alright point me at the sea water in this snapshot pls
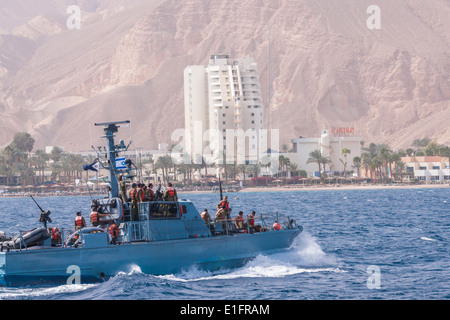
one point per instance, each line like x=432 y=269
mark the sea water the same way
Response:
x=356 y=245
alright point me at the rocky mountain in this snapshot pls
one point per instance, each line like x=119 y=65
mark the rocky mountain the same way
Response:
x=320 y=66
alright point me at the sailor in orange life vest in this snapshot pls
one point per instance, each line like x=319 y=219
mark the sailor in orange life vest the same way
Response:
x=276 y=226
x=170 y=194
x=55 y=236
x=95 y=216
x=223 y=211
x=251 y=222
x=206 y=217
x=239 y=221
x=114 y=232
x=79 y=222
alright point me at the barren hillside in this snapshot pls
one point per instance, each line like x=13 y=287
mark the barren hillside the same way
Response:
x=320 y=66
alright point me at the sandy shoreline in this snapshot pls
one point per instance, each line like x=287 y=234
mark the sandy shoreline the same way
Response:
x=265 y=189
x=344 y=187
x=331 y=188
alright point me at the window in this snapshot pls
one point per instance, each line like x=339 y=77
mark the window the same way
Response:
x=410 y=169
x=422 y=168
x=436 y=167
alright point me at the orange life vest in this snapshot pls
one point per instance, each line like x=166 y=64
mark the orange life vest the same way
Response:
x=114 y=230
x=276 y=226
x=55 y=233
x=205 y=217
x=171 y=191
x=94 y=217
x=133 y=194
x=251 y=220
x=79 y=221
x=224 y=205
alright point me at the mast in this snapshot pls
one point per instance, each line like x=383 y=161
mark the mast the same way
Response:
x=110 y=128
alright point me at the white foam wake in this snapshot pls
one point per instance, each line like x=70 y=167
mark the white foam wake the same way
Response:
x=305 y=256
x=27 y=293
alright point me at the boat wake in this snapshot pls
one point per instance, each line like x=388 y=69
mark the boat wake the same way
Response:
x=304 y=256
x=42 y=293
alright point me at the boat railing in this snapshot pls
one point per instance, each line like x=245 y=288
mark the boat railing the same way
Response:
x=227 y=225
x=22 y=242
x=162 y=211
x=136 y=231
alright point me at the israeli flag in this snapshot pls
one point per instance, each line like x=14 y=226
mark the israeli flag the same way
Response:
x=93 y=167
x=120 y=164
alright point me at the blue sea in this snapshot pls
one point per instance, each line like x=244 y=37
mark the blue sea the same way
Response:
x=356 y=245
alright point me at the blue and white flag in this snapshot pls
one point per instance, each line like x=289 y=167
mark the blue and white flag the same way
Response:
x=120 y=164
x=93 y=167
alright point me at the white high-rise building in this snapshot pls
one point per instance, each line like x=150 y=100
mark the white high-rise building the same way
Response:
x=222 y=100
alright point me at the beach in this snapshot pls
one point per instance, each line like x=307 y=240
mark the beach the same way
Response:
x=280 y=188
x=344 y=187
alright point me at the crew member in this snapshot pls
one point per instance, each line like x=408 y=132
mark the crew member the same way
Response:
x=134 y=202
x=276 y=226
x=170 y=194
x=55 y=236
x=141 y=192
x=123 y=189
x=80 y=223
x=114 y=232
x=95 y=216
x=206 y=217
x=251 y=222
x=224 y=206
x=223 y=212
x=239 y=221
x=150 y=193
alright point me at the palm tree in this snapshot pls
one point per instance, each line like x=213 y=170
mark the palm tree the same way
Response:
x=40 y=162
x=56 y=154
x=345 y=152
x=254 y=169
x=243 y=169
x=293 y=167
x=385 y=155
x=164 y=163
x=316 y=156
x=357 y=164
x=284 y=161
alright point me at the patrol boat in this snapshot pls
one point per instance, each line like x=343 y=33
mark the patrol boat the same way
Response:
x=166 y=238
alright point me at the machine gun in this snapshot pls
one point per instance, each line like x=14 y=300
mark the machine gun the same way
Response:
x=45 y=215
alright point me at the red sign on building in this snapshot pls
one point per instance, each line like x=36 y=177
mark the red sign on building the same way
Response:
x=342 y=131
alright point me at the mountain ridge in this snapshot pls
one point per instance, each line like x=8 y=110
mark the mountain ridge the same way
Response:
x=319 y=63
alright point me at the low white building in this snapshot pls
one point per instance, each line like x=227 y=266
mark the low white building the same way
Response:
x=331 y=145
x=428 y=168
